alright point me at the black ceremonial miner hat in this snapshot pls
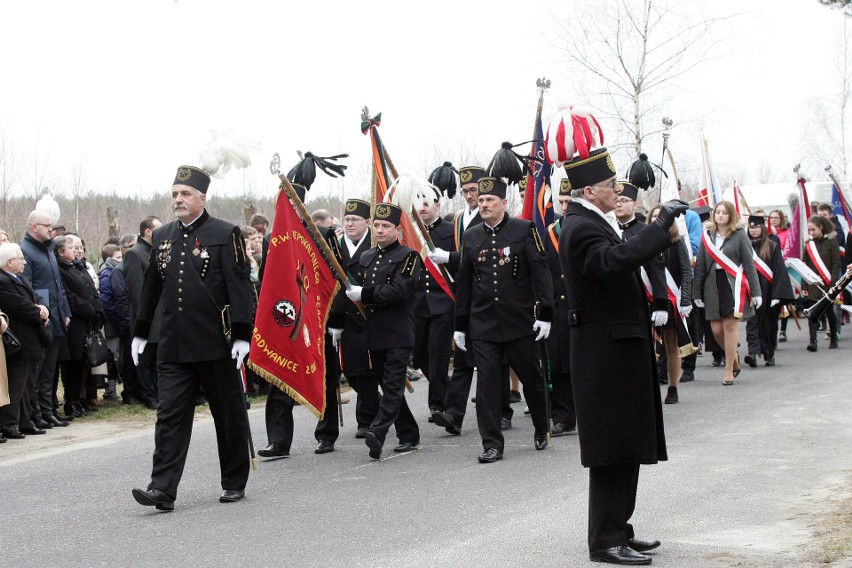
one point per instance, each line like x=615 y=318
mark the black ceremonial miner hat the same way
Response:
x=492 y=186
x=195 y=178
x=387 y=212
x=471 y=174
x=754 y=220
x=596 y=168
x=358 y=207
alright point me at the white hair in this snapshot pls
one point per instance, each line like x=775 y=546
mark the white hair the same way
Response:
x=9 y=251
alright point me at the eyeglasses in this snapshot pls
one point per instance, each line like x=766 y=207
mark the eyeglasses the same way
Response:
x=623 y=201
x=611 y=185
x=470 y=191
x=352 y=220
x=48 y=225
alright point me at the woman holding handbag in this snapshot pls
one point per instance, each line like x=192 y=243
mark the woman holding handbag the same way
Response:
x=86 y=316
x=725 y=282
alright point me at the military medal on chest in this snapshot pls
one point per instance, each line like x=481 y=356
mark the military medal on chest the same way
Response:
x=164 y=255
x=505 y=254
x=196 y=251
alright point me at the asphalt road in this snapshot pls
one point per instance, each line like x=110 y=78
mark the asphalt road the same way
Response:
x=752 y=468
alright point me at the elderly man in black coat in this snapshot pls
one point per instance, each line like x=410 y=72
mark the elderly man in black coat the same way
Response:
x=619 y=412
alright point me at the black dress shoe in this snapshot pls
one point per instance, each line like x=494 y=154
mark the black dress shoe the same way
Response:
x=642 y=545
x=432 y=413
x=514 y=397
x=619 y=555
x=361 y=432
x=448 y=422
x=54 y=421
x=751 y=360
x=770 y=362
x=562 y=429
x=58 y=416
x=231 y=495
x=152 y=405
x=490 y=455
x=33 y=431
x=687 y=376
x=406 y=447
x=671 y=396
x=505 y=424
x=324 y=447
x=2 y=439
x=43 y=424
x=154 y=498
x=540 y=441
x=374 y=444
x=14 y=434
x=274 y=450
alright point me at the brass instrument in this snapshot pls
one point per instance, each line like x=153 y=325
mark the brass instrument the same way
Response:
x=814 y=312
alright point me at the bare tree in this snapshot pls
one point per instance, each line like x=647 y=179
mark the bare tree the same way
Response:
x=77 y=186
x=633 y=53
x=8 y=171
x=845 y=5
x=38 y=173
x=826 y=136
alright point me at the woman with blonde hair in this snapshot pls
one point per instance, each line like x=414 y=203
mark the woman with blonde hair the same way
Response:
x=725 y=282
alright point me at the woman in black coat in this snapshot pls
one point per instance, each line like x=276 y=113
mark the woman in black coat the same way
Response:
x=86 y=316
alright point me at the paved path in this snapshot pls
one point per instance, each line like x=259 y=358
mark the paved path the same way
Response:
x=752 y=467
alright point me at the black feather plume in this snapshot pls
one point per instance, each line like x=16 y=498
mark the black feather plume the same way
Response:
x=444 y=178
x=508 y=164
x=305 y=172
x=641 y=173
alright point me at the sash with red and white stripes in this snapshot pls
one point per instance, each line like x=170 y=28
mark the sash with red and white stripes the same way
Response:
x=818 y=263
x=647 y=284
x=762 y=267
x=741 y=289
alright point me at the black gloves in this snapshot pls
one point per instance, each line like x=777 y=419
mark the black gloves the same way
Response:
x=668 y=211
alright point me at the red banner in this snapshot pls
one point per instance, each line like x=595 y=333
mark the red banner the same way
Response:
x=288 y=343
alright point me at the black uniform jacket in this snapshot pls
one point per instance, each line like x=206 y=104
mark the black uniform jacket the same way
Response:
x=655 y=271
x=613 y=368
x=389 y=276
x=352 y=347
x=134 y=265
x=194 y=272
x=504 y=283
x=20 y=303
x=431 y=298
x=558 y=342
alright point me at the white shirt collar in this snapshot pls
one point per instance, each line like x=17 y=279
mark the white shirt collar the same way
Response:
x=608 y=217
x=353 y=246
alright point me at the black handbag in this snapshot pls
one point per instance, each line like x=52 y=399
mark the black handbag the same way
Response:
x=11 y=344
x=97 y=352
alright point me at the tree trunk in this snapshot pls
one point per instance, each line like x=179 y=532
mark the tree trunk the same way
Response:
x=112 y=222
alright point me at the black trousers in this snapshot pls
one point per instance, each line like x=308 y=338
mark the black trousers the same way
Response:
x=179 y=383
x=458 y=389
x=389 y=366
x=129 y=371
x=432 y=351
x=146 y=375
x=22 y=376
x=279 y=417
x=493 y=360
x=562 y=400
x=761 y=331
x=367 y=401
x=44 y=395
x=328 y=428
x=612 y=499
x=73 y=375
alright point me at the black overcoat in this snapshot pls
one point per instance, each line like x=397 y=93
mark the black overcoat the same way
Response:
x=20 y=303
x=86 y=308
x=559 y=340
x=616 y=394
x=356 y=361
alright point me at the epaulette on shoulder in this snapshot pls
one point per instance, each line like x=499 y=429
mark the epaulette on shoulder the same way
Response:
x=410 y=264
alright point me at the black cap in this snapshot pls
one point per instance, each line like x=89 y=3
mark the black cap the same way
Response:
x=193 y=177
x=492 y=186
x=387 y=212
x=358 y=207
x=703 y=212
x=629 y=190
x=755 y=220
x=596 y=168
x=471 y=174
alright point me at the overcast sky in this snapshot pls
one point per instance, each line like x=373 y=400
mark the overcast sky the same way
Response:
x=130 y=89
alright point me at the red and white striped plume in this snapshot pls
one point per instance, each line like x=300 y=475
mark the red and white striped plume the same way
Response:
x=573 y=130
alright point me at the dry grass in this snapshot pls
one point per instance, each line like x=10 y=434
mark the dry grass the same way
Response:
x=834 y=531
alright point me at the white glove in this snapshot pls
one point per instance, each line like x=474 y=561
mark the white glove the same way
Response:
x=659 y=317
x=137 y=347
x=758 y=302
x=354 y=293
x=698 y=302
x=774 y=302
x=239 y=351
x=439 y=256
x=686 y=310
x=335 y=336
x=458 y=337
x=542 y=328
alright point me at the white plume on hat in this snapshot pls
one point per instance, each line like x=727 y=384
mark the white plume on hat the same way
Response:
x=49 y=205
x=572 y=130
x=407 y=190
x=223 y=151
